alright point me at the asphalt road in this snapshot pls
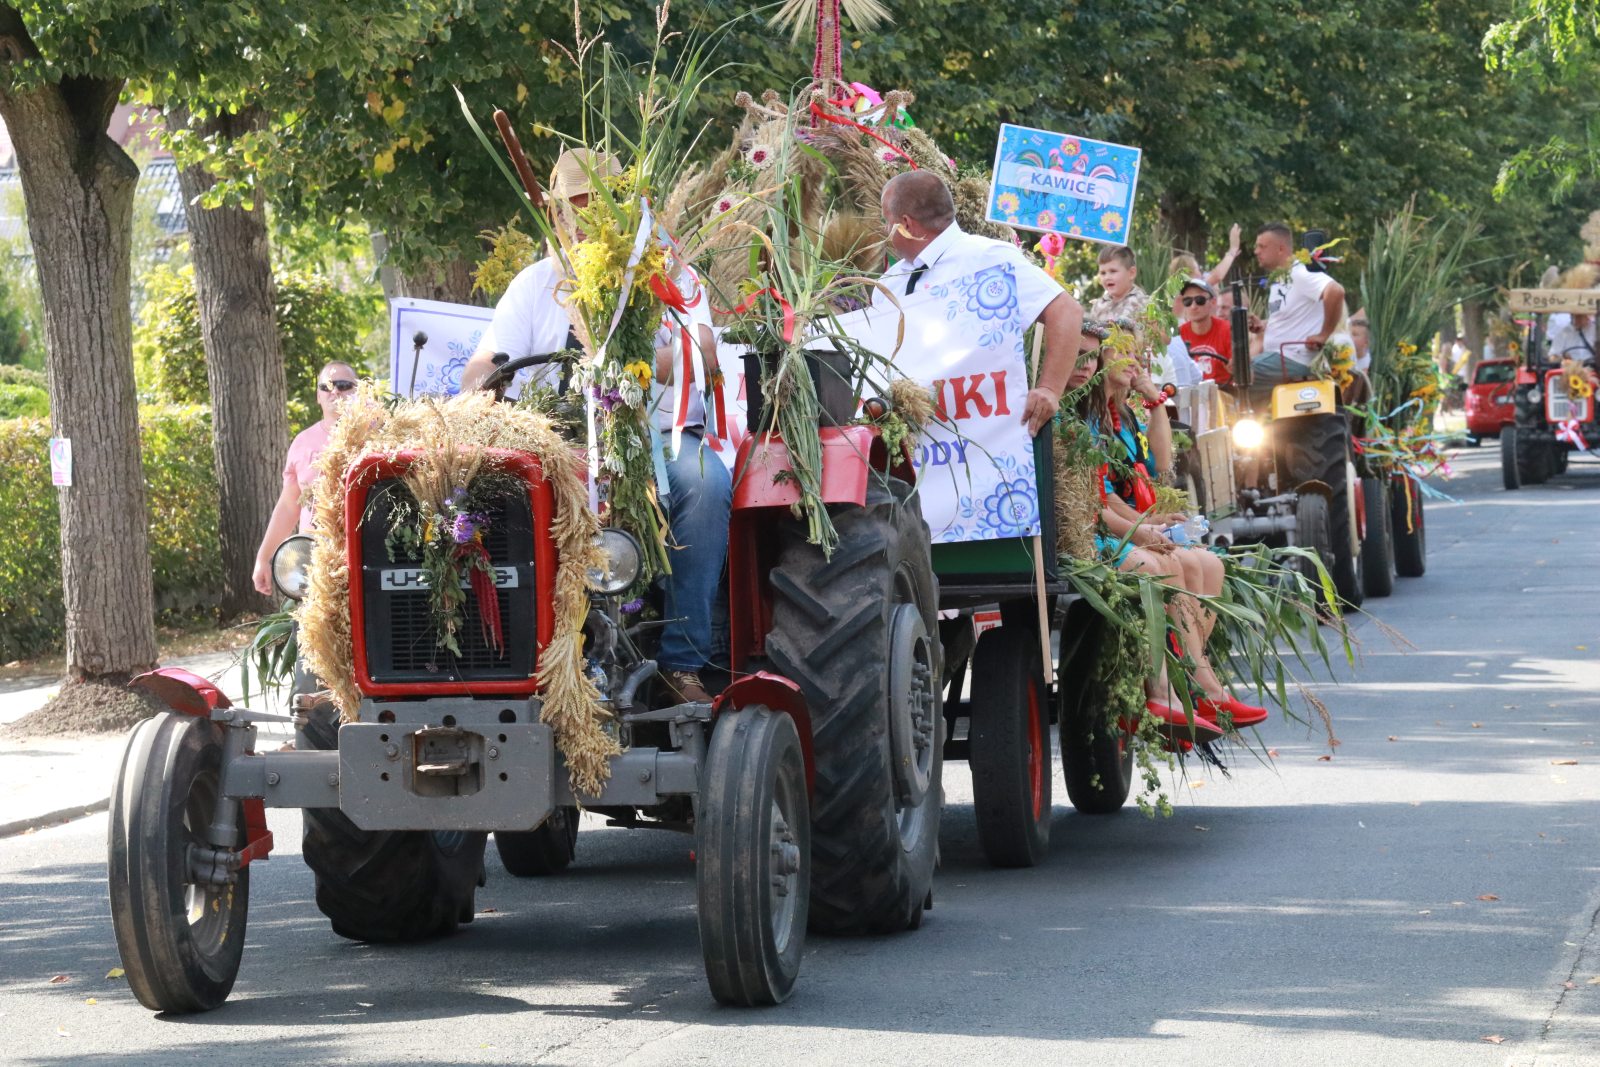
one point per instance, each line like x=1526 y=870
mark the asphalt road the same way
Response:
x=1433 y=884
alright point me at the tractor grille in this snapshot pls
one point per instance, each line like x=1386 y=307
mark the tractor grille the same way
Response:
x=401 y=642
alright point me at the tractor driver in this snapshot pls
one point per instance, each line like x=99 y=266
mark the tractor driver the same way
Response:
x=530 y=319
x=1306 y=309
x=920 y=216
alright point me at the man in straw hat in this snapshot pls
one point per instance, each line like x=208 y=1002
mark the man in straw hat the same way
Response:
x=531 y=319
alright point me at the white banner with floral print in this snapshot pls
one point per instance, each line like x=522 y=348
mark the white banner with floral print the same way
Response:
x=964 y=341
x=449 y=334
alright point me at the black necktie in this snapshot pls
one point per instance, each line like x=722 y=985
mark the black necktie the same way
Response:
x=916 y=276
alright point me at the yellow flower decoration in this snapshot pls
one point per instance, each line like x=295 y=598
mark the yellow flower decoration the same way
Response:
x=640 y=371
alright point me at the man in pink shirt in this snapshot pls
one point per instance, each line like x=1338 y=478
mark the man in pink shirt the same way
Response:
x=334 y=382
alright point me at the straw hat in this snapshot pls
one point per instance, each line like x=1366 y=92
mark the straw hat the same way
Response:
x=575 y=169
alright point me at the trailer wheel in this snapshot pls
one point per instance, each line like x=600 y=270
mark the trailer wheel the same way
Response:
x=1096 y=755
x=1377 y=547
x=753 y=857
x=1510 y=462
x=386 y=885
x=180 y=935
x=547 y=849
x=834 y=624
x=1009 y=749
x=1410 y=533
x=1560 y=457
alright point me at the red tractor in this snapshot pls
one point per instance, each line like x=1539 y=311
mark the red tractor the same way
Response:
x=811 y=784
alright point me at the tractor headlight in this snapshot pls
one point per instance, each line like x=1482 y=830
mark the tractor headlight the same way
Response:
x=291 y=566
x=1248 y=434
x=621 y=561
x=1535 y=395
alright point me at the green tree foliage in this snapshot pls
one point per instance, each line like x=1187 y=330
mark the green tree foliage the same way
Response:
x=318 y=321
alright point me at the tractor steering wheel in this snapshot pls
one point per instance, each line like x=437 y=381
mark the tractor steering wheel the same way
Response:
x=501 y=376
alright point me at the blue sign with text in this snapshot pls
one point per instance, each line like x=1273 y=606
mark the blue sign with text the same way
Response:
x=1059 y=183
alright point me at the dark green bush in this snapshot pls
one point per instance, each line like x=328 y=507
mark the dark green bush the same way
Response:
x=317 y=322
x=180 y=489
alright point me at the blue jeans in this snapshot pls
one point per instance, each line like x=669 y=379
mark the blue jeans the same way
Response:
x=698 y=507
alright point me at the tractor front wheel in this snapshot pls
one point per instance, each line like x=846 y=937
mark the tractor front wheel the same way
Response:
x=1510 y=461
x=857 y=633
x=179 y=918
x=753 y=866
x=1313 y=533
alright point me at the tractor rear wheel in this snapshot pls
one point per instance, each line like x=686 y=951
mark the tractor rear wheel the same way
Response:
x=1096 y=754
x=180 y=934
x=386 y=885
x=1377 y=547
x=547 y=849
x=1510 y=461
x=1317 y=448
x=1410 y=532
x=1009 y=746
x=753 y=871
x=856 y=633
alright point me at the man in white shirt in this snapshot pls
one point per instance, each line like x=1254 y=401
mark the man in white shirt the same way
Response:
x=1306 y=309
x=531 y=319
x=921 y=218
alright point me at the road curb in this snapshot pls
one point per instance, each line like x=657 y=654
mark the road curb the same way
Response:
x=35 y=822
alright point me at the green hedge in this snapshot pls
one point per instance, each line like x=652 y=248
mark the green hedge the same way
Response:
x=23 y=402
x=180 y=489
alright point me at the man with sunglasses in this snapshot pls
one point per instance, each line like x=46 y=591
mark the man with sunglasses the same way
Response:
x=335 y=382
x=1207 y=334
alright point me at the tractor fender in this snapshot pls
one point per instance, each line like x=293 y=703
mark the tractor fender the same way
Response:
x=778 y=694
x=183 y=691
x=763 y=478
x=1317 y=486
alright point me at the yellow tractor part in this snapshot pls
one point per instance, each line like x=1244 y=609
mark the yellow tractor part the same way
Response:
x=1292 y=399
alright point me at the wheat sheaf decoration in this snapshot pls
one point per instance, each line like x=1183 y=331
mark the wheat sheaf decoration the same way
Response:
x=453 y=436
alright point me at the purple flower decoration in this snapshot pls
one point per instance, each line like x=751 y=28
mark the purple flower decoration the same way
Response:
x=610 y=400
x=466 y=525
x=633 y=607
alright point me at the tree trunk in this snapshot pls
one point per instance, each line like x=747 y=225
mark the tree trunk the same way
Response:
x=1184 y=218
x=1472 y=334
x=244 y=363
x=78 y=186
x=450 y=281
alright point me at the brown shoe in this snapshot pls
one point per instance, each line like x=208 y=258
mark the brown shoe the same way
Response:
x=686 y=688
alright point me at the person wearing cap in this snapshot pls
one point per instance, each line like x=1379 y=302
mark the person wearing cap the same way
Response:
x=920 y=216
x=531 y=319
x=1207 y=335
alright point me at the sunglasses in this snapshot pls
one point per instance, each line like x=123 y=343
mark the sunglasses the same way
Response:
x=1195 y=301
x=342 y=385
